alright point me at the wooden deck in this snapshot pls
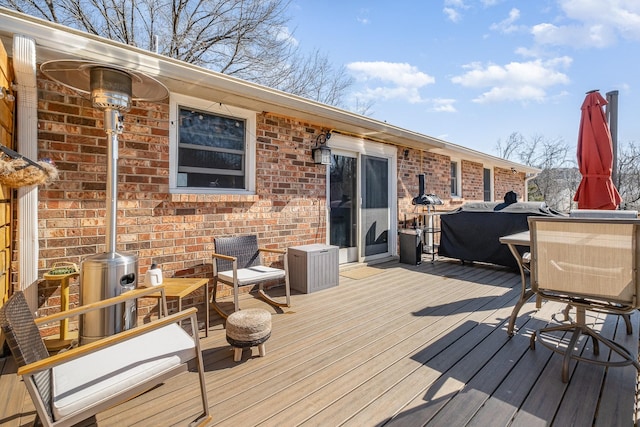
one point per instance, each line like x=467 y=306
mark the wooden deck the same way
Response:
x=409 y=346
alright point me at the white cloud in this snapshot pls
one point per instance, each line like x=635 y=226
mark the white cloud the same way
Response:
x=507 y=25
x=516 y=81
x=411 y=95
x=572 y=35
x=388 y=80
x=452 y=14
x=443 y=105
x=283 y=33
x=592 y=23
x=528 y=52
x=452 y=9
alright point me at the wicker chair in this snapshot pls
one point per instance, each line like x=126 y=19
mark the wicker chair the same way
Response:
x=237 y=261
x=590 y=264
x=74 y=385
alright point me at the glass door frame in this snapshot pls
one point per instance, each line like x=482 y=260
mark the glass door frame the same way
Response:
x=356 y=147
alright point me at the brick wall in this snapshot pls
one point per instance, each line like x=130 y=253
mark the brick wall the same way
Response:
x=505 y=180
x=436 y=170
x=175 y=231
x=472 y=181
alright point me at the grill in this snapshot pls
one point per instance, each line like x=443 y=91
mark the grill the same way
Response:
x=106 y=275
x=425 y=199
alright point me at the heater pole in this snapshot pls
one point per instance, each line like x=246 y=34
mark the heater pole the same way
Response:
x=113 y=127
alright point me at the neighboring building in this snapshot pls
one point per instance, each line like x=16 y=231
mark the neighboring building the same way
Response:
x=266 y=182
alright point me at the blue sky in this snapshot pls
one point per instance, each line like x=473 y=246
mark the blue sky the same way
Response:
x=471 y=72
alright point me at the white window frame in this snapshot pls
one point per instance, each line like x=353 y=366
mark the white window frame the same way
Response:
x=249 y=117
x=458 y=193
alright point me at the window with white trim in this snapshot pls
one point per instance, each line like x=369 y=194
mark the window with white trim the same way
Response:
x=212 y=147
x=455 y=178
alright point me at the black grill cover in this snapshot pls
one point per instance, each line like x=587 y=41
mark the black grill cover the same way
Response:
x=472 y=232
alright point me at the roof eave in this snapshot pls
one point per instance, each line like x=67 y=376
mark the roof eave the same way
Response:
x=55 y=41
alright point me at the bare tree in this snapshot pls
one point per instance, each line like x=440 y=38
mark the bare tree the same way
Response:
x=559 y=178
x=629 y=175
x=248 y=39
x=313 y=77
x=364 y=107
x=509 y=148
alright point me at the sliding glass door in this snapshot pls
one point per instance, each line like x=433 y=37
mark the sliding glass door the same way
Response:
x=343 y=206
x=362 y=199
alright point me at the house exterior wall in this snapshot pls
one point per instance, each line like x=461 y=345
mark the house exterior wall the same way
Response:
x=177 y=231
x=506 y=180
x=472 y=181
x=437 y=181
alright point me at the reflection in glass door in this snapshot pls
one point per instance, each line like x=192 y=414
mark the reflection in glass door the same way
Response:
x=343 y=207
x=375 y=205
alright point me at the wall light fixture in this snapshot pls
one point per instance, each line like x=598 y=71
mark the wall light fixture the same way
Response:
x=321 y=153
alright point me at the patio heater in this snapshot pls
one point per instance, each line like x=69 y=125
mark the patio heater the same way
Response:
x=107 y=274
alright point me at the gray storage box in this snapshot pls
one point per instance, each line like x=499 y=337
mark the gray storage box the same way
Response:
x=313 y=267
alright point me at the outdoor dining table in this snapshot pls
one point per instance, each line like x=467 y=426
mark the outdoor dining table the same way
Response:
x=513 y=241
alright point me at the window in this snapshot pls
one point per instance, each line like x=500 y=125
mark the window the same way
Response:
x=455 y=184
x=212 y=147
x=486 y=184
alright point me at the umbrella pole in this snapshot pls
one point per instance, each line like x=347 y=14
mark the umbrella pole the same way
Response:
x=612 y=118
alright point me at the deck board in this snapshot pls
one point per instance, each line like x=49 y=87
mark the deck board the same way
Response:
x=412 y=345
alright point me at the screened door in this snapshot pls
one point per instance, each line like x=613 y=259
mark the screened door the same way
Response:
x=375 y=205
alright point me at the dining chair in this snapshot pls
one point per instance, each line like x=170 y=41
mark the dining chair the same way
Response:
x=590 y=264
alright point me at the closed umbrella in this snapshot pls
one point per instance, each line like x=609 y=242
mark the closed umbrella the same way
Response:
x=595 y=157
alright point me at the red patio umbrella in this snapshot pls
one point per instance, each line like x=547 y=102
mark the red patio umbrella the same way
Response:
x=595 y=157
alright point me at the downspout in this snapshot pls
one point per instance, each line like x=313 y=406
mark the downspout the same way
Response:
x=24 y=67
x=528 y=177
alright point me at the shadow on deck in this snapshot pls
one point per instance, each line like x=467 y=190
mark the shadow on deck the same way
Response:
x=410 y=345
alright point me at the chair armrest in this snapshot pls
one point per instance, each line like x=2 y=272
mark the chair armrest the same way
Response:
x=133 y=294
x=275 y=251
x=77 y=352
x=224 y=257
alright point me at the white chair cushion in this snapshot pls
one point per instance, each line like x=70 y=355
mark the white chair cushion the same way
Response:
x=96 y=377
x=250 y=275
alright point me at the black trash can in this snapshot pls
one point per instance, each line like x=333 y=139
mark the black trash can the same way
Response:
x=411 y=246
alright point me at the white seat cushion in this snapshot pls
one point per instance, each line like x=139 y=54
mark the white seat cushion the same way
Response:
x=250 y=275
x=96 y=377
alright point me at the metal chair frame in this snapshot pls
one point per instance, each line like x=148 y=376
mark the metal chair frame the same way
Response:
x=590 y=264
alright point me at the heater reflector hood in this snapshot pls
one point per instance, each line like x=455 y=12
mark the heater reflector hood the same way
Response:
x=76 y=74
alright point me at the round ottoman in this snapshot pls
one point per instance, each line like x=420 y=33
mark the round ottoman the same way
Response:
x=248 y=328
